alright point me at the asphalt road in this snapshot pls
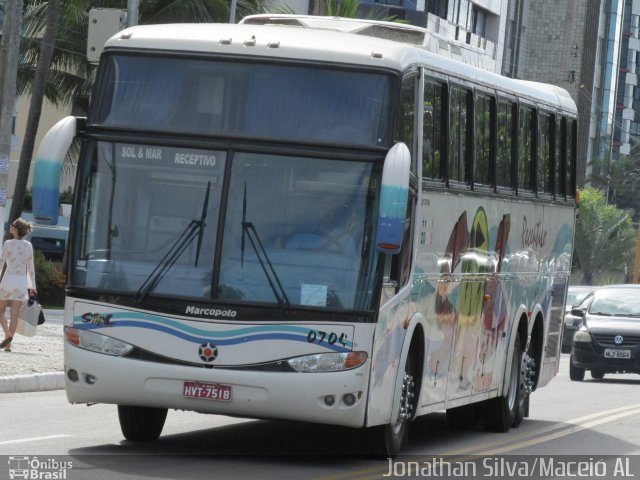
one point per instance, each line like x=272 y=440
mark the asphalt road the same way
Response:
x=596 y=420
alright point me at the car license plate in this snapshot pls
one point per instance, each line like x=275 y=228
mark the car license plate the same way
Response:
x=613 y=353
x=210 y=391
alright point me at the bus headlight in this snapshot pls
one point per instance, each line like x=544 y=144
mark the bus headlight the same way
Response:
x=582 y=336
x=96 y=342
x=328 y=362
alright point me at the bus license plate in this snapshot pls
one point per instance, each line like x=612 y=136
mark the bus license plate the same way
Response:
x=210 y=391
x=612 y=353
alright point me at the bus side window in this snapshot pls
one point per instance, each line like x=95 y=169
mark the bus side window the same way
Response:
x=570 y=176
x=525 y=149
x=459 y=123
x=544 y=169
x=484 y=115
x=506 y=136
x=432 y=122
x=559 y=164
x=407 y=120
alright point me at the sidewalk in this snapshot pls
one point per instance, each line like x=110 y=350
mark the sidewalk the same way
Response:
x=35 y=363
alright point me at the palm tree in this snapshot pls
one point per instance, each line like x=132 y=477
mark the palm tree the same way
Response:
x=35 y=107
x=604 y=237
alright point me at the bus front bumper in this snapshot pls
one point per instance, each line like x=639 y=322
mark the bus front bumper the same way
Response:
x=335 y=398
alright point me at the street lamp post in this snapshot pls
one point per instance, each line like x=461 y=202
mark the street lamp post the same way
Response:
x=132 y=13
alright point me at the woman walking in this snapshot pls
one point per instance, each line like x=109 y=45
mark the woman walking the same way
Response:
x=19 y=280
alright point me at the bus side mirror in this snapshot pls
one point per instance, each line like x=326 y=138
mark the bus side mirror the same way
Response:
x=394 y=197
x=46 y=175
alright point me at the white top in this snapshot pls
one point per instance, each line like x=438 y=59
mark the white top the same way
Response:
x=20 y=275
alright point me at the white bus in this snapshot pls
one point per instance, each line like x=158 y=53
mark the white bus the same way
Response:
x=292 y=218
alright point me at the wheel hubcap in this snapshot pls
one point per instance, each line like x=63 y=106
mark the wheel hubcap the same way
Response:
x=527 y=373
x=406 y=401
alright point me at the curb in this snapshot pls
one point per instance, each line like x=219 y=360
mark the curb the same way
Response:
x=32 y=383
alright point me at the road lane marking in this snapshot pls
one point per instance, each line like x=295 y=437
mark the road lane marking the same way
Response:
x=515 y=437
x=576 y=428
x=524 y=439
x=32 y=439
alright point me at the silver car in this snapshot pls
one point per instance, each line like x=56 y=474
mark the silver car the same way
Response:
x=575 y=296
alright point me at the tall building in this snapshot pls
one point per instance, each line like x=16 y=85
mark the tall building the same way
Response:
x=605 y=109
x=626 y=135
x=557 y=42
x=589 y=47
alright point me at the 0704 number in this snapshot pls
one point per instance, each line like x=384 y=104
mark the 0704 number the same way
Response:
x=331 y=338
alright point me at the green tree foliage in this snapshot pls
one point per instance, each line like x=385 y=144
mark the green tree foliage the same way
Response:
x=605 y=238
x=50 y=280
x=625 y=183
x=343 y=8
x=66 y=196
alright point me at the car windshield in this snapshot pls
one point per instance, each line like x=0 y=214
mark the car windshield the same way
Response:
x=618 y=303
x=575 y=297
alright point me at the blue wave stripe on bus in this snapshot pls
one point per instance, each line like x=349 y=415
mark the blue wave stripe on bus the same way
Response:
x=132 y=318
x=218 y=342
x=393 y=201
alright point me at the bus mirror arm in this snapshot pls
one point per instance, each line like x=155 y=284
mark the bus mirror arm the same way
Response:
x=394 y=198
x=48 y=166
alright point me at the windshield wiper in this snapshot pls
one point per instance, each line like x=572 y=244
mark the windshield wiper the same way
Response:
x=249 y=230
x=195 y=229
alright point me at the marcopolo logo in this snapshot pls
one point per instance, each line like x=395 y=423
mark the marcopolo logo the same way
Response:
x=213 y=312
x=35 y=468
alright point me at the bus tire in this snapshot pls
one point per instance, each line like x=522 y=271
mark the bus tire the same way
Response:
x=387 y=440
x=141 y=424
x=501 y=413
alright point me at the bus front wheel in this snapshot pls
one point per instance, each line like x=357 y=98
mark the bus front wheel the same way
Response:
x=387 y=440
x=141 y=424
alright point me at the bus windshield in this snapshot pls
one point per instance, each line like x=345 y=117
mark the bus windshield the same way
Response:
x=249 y=100
x=151 y=217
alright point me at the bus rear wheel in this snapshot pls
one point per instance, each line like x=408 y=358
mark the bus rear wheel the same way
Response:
x=502 y=413
x=141 y=424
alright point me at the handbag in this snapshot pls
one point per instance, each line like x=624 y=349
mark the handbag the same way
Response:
x=30 y=312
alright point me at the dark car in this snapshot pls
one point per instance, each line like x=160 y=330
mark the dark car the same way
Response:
x=609 y=339
x=575 y=296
